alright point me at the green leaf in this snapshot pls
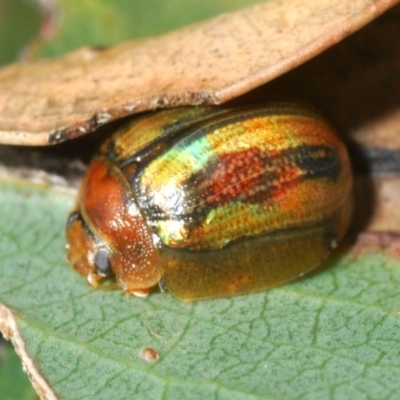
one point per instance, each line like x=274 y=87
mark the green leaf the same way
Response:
x=334 y=335
x=106 y=22
x=19 y=23
x=76 y=23
x=14 y=383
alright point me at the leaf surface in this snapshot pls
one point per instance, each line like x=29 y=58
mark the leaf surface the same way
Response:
x=328 y=336
x=19 y=23
x=14 y=383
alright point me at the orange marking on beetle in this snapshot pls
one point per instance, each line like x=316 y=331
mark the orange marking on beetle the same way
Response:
x=236 y=174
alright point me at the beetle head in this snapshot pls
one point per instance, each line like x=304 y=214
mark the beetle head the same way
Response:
x=107 y=234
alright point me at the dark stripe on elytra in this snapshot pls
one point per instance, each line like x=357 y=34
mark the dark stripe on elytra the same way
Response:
x=304 y=162
x=169 y=135
x=312 y=162
x=191 y=128
x=317 y=162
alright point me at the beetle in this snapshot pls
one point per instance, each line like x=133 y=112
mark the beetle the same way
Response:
x=212 y=201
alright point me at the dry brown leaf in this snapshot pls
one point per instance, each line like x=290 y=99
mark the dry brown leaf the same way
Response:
x=356 y=84
x=207 y=63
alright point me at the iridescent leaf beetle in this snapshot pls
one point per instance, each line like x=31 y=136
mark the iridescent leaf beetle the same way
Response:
x=212 y=201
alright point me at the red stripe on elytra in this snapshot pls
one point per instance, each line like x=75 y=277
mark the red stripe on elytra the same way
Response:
x=249 y=176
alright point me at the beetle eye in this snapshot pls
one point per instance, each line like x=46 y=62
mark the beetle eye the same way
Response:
x=102 y=263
